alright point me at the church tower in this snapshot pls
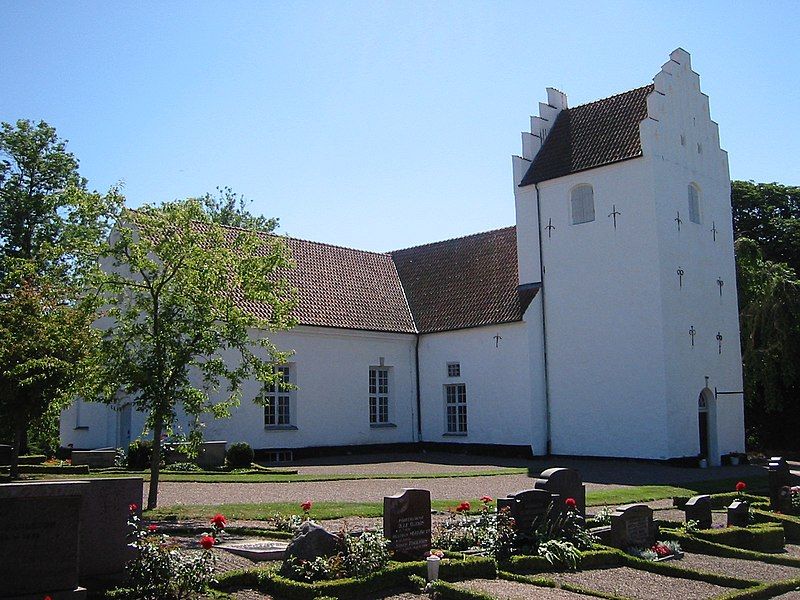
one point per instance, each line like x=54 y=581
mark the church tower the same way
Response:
x=624 y=220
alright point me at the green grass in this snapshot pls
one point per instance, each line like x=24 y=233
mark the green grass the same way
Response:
x=290 y=478
x=647 y=493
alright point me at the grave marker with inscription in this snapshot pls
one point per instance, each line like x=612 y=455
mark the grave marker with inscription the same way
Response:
x=779 y=477
x=407 y=523
x=698 y=508
x=567 y=484
x=632 y=526
x=39 y=539
x=528 y=507
x=738 y=513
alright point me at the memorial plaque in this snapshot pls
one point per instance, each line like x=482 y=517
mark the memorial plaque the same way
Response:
x=738 y=513
x=407 y=523
x=779 y=476
x=698 y=508
x=39 y=539
x=632 y=526
x=528 y=507
x=567 y=484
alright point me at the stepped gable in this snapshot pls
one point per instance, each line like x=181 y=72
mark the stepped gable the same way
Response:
x=464 y=282
x=591 y=135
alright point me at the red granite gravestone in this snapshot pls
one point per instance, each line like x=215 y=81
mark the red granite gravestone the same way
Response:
x=407 y=523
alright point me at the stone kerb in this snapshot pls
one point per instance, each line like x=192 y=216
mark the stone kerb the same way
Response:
x=407 y=523
x=632 y=526
x=566 y=483
x=40 y=525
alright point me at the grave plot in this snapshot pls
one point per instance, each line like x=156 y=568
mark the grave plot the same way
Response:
x=737 y=567
x=514 y=590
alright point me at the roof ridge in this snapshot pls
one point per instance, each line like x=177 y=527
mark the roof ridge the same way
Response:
x=636 y=89
x=462 y=237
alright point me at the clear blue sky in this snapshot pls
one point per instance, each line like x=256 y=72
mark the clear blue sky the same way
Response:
x=376 y=125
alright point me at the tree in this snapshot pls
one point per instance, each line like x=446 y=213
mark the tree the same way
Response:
x=229 y=208
x=185 y=296
x=52 y=231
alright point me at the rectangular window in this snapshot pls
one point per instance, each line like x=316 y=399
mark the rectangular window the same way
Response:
x=456 y=407
x=694 y=204
x=454 y=369
x=277 y=398
x=378 y=395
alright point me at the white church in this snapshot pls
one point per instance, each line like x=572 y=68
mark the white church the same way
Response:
x=604 y=323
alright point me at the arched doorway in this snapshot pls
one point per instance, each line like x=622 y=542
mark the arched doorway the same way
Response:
x=706 y=427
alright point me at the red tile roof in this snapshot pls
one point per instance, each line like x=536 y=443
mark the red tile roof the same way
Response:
x=591 y=135
x=464 y=282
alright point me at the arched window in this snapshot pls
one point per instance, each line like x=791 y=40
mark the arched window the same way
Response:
x=694 y=203
x=582 y=199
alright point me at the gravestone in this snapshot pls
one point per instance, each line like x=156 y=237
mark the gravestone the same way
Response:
x=527 y=507
x=312 y=541
x=39 y=539
x=779 y=476
x=785 y=500
x=94 y=459
x=632 y=526
x=567 y=484
x=212 y=454
x=407 y=523
x=104 y=527
x=257 y=550
x=5 y=454
x=738 y=513
x=698 y=508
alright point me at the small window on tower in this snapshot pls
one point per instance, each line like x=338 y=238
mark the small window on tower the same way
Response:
x=454 y=369
x=582 y=200
x=694 y=203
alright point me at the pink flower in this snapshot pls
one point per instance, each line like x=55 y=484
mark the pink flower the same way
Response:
x=133 y=507
x=570 y=502
x=206 y=542
x=219 y=520
x=486 y=499
x=306 y=506
x=741 y=486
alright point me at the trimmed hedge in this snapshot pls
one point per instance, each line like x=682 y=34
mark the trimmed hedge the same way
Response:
x=693 y=544
x=763 y=590
x=791 y=523
x=766 y=537
x=590 y=559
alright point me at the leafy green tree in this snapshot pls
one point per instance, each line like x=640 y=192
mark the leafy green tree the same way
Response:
x=52 y=231
x=229 y=208
x=185 y=297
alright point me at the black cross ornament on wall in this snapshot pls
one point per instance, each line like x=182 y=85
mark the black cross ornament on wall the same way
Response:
x=614 y=213
x=720 y=283
x=680 y=273
x=714 y=230
x=497 y=339
x=678 y=220
x=550 y=227
x=692 y=332
x=719 y=341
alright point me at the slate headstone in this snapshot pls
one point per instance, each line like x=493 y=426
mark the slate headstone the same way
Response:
x=566 y=483
x=312 y=541
x=738 y=513
x=632 y=526
x=407 y=523
x=698 y=508
x=528 y=507
x=40 y=538
x=779 y=476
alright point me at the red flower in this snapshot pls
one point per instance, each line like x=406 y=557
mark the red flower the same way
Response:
x=206 y=542
x=152 y=528
x=219 y=520
x=463 y=507
x=741 y=486
x=306 y=506
x=486 y=499
x=47 y=598
x=570 y=502
x=133 y=507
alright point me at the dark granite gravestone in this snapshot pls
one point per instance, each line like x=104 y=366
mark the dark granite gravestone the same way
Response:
x=528 y=508
x=698 y=508
x=779 y=476
x=39 y=539
x=632 y=526
x=785 y=500
x=5 y=454
x=407 y=523
x=566 y=483
x=738 y=513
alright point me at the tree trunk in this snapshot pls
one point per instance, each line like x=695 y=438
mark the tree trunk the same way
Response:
x=155 y=464
x=19 y=434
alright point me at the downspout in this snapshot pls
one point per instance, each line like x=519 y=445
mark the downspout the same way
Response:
x=544 y=326
x=419 y=400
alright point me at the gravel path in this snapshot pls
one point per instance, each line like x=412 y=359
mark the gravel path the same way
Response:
x=513 y=590
x=736 y=567
x=624 y=581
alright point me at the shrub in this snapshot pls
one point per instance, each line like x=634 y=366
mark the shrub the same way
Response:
x=560 y=553
x=185 y=467
x=362 y=555
x=140 y=453
x=239 y=455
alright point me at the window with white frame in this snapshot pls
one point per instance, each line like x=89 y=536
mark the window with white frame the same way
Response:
x=454 y=369
x=378 y=395
x=582 y=201
x=694 y=203
x=456 y=407
x=277 y=399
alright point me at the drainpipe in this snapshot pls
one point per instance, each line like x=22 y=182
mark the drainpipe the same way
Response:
x=544 y=325
x=419 y=400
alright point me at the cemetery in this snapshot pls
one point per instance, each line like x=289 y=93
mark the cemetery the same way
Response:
x=90 y=539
